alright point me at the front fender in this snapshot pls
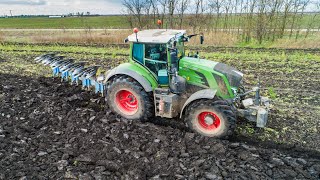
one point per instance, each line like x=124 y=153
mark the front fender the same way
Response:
x=202 y=94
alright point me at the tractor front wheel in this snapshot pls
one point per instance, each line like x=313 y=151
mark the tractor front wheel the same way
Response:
x=127 y=98
x=211 y=118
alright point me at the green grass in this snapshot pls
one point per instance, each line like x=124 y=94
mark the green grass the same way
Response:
x=120 y=21
x=279 y=58
x=272 y=93
x=68 y=22
x=69 y=49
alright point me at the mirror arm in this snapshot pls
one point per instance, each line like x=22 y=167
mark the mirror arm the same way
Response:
x=190 y=36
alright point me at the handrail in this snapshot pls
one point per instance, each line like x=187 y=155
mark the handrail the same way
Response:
x=163 y=62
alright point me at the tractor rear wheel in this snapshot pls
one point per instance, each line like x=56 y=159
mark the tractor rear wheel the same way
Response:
x=211 y=118
x=126 y=97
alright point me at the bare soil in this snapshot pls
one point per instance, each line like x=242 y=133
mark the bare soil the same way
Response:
x=51 y=130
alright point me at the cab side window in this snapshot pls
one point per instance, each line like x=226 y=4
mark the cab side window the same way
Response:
x=137 y=52
x=156 y=52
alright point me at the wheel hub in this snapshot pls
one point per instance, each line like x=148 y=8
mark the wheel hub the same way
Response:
x=126 y=102
x=209 y=120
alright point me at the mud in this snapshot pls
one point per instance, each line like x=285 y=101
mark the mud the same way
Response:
x=51 y=130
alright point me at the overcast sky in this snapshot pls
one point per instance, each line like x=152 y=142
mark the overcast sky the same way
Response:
x=38 y=7
x=57 y=7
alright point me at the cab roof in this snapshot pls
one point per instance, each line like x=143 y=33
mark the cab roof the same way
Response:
x=156 y=35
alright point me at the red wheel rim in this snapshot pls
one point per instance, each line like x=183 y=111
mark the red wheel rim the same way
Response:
x=209 y=120
x=126 y=102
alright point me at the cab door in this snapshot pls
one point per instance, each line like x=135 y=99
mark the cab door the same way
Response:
x=156 y=59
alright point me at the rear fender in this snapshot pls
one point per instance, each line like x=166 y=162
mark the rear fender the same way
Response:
x=202 y=94
x=136 y=72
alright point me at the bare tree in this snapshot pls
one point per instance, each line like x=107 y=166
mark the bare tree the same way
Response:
x=171 y=9
x=130 y=19
x=261 y=20
x=288 y=4
x=318 y=12
x=227 y=5
x=239 y=24
x=215 y=7
x=155 y=11
x=273 y=13
x=182 y=7
x=136 y=8
x=297 y=12
x=250 y=19
x=303 y=5
x=312 y=20
x=163 y=6
x=146 y=13
x=250 y=7
x=198 y=19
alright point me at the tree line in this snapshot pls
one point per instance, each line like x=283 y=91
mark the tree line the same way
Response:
x=262 y=20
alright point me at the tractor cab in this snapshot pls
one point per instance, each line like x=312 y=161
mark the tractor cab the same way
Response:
x=158 y=50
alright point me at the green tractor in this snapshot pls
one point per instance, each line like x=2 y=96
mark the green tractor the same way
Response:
x=161 y=80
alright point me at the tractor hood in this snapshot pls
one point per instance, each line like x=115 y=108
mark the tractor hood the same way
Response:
x=196 y=63
x=233 y=75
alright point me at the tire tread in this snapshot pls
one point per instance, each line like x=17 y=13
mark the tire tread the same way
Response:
x=147 y=97
x=222 y=106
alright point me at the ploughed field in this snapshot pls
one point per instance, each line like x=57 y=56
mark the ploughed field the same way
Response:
x=52 y=130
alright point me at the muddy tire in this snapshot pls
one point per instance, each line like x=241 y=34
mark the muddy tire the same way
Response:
x=212 y=118
x=126 y=97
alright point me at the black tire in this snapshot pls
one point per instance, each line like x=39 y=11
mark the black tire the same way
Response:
x=128 y=109
x=217 y=112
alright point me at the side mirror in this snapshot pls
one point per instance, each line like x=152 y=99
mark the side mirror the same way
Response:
x=196 y=55
x=201 y=39
x=185 y=39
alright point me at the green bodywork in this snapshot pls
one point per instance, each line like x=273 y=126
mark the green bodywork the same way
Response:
x=200 y=72
x=197 y=72
x=141 y=70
